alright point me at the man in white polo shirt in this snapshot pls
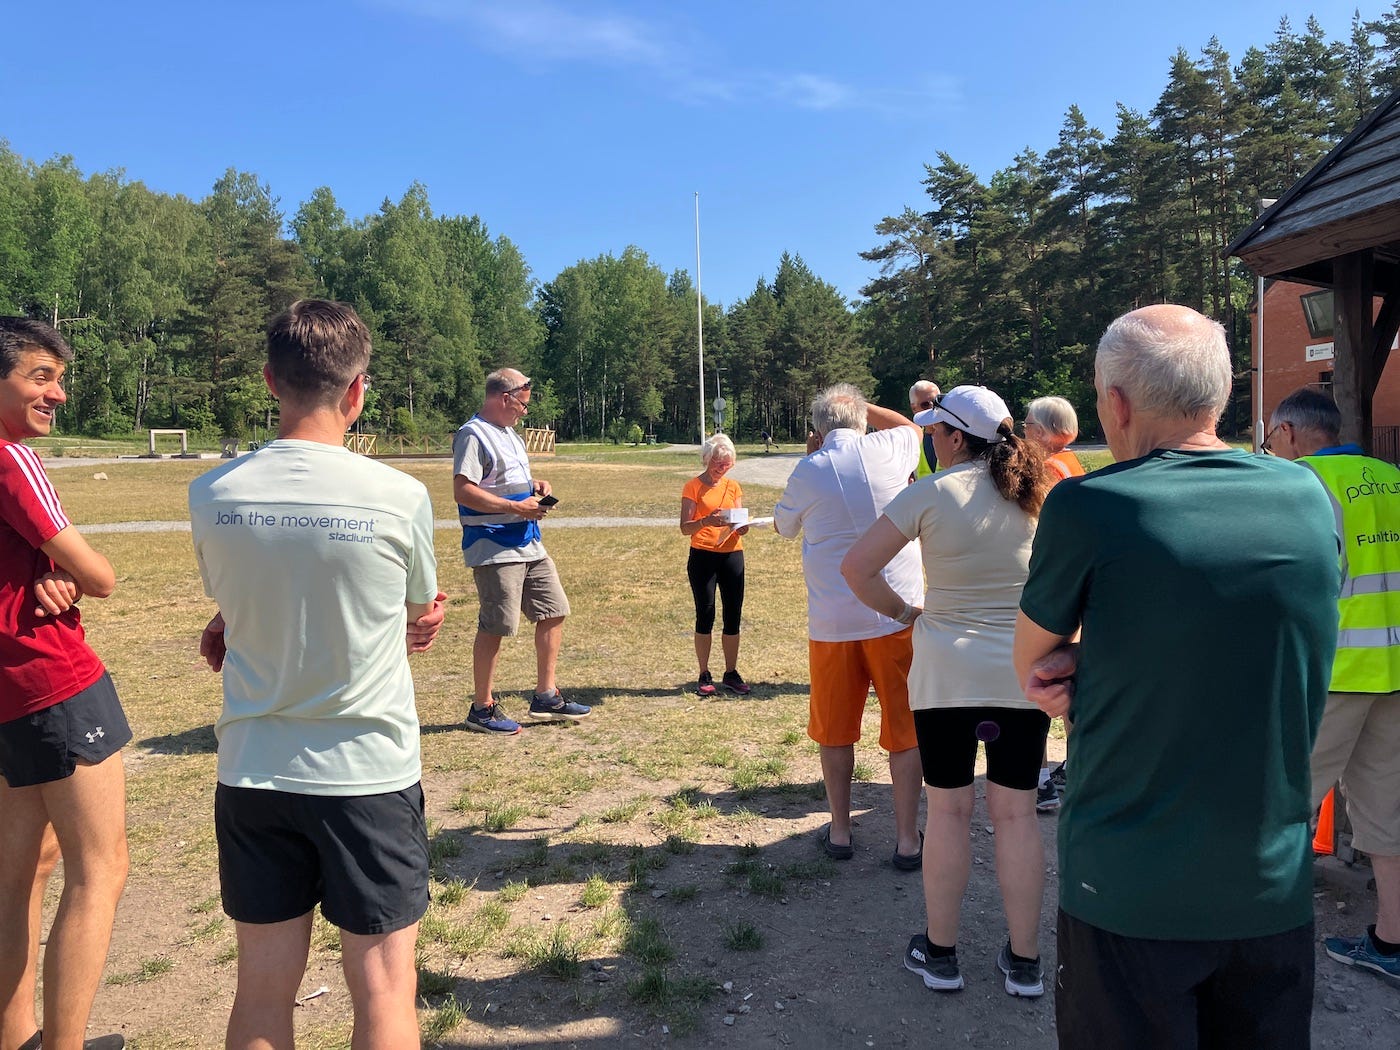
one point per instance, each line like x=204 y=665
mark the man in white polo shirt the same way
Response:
x=832 y=497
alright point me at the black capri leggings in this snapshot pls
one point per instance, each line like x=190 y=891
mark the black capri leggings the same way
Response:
x=705 y=569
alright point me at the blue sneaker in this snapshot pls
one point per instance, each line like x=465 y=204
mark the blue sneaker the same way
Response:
x=489 y=719
x=1361 y=951
x=552 y=707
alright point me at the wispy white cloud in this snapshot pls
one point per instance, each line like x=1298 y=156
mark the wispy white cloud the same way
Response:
x=546 y=32
x=812 y=91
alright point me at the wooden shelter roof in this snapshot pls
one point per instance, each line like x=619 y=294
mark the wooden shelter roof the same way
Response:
x=1348 y=202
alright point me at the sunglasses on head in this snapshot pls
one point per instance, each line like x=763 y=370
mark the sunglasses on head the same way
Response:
x=938 y=404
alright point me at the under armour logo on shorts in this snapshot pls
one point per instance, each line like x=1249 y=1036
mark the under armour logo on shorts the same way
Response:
x=95 y=735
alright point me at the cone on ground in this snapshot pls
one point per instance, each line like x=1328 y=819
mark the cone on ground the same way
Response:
x=1322 y=838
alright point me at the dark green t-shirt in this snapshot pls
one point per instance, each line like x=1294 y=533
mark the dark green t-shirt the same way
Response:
x=1206 y=584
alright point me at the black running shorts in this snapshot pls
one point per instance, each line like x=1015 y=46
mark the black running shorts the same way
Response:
x=47 y=745
x=1014 y=736
x=363 y=858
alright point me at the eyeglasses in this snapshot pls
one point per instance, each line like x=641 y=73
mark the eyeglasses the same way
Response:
x=365 y=381
x=938 y=404
x=925 y=404
x=1266 y=446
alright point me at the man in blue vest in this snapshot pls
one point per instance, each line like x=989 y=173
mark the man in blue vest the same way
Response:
x=1359 y=741
x=500 y=506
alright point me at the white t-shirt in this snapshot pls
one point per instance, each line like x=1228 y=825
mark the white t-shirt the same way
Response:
x=977 y=550
x=832 y=497
x=311 y=552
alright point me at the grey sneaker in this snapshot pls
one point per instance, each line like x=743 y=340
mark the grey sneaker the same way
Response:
x=1025 y=979
x=941 y=973
x=552 y=707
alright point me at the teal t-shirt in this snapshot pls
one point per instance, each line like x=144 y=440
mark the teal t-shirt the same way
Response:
x=1206 y=585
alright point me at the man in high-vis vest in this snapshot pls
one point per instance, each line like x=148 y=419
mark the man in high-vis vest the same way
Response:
x=921 y=396
x=1359 y=741
x=500 y=507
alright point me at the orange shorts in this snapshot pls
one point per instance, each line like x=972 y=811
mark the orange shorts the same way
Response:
x=842 y=674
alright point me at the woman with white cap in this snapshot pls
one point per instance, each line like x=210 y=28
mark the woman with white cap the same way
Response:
x=975 y=520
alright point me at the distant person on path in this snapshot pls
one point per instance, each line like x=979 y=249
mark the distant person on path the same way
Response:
x=716 y=558
x=500 y=506
x=1359 y=741
x=1204 y=579
x=62 y=783
x=921 y=396
x=974 y=521
x=1051 y=423
x=833 y=495
x=321 y=563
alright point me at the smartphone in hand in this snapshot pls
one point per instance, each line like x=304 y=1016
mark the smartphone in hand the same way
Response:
x=547 y=501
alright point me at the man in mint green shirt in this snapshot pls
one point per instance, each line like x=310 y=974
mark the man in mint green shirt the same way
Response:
x=321 y=563
x=1204 y=582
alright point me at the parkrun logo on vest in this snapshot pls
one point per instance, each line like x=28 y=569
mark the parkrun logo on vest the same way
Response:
x=1371 y=487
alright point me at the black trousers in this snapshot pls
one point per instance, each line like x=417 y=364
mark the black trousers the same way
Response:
x=707 y=568
x=1130 y=992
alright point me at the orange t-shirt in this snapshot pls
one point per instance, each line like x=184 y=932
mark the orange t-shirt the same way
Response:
x=1063 y=465
x=708 y=499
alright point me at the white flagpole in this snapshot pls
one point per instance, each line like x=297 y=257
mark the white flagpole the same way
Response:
x=700 y=318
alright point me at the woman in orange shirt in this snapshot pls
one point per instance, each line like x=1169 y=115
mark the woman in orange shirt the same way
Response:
x=1052 y=424
x=716 y=558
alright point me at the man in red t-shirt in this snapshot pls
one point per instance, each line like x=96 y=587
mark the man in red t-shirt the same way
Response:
x=62 y=784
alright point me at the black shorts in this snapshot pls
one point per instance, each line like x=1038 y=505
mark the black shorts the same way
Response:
x=364 y=858
x=1182 y=995
x=948 y=738
x=48 y=745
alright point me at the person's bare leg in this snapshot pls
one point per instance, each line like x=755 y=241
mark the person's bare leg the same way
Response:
x=549 y=634
x=906 y=782
x=702 y=650
x=1020 y=864
x=947 y=860
x=28 y=852
x=730 y=644
x=1387 y=872
x=271 y=962
x=383 y=981
x=88 y=813
x=838 y=764
x=486 y=650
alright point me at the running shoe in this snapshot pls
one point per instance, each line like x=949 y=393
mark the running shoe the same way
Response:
x=1024 y=977
x=490 y=719
x=1361 y=951
x=707 y=684
x=551 y=707
x=939 y=973
x=735 y=683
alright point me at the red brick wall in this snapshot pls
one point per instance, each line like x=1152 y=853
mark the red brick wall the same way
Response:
x=1286 y=364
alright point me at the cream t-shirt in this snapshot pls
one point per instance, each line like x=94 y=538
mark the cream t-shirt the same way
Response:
x=976 y=550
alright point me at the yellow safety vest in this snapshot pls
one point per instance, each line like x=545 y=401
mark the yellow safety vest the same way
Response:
x=1366 y=496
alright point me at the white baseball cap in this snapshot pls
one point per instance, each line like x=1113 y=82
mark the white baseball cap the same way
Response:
x=972 y=409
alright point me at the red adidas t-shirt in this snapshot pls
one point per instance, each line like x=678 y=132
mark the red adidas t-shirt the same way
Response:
x=43 y=659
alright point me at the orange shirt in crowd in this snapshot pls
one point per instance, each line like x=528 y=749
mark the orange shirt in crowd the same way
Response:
x=708 y=499
x=1063 y=465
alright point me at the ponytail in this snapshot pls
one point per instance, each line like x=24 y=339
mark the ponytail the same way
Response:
x=1017 y=467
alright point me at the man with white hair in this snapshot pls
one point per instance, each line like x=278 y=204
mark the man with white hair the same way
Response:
x=832 y=497
x=921 y=396
x=1204 y=579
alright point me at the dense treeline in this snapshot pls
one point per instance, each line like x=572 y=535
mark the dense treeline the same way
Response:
x=1011 y=281
x=1007 y=282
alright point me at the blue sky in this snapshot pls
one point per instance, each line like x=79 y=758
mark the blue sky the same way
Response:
x=578 y=128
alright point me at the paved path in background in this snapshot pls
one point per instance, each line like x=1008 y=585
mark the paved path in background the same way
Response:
x=771 y=470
